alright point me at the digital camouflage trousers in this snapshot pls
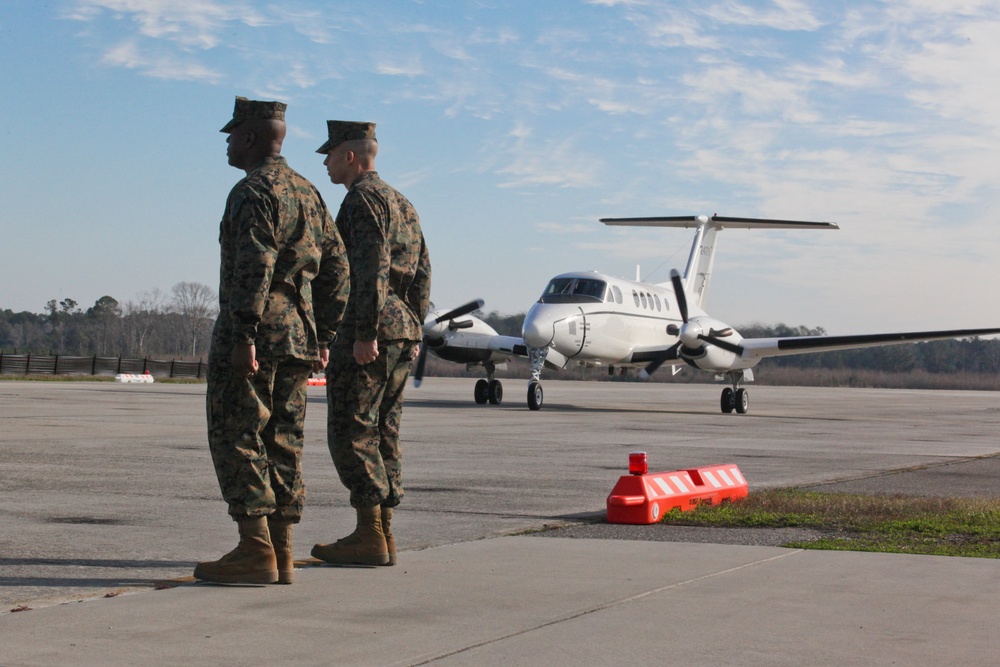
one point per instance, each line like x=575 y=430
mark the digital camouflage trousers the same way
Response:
x=365 y=409
x=255 y=434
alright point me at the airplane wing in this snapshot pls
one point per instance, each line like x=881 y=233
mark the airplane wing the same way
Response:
x=760 y=348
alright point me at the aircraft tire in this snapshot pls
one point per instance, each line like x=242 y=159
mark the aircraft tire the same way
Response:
x=728 y=400
x=495 y=392
x=742 y=401
x=481 y=392
x=535 y=395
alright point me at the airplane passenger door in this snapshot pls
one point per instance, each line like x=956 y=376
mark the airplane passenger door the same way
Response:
x=576 y=328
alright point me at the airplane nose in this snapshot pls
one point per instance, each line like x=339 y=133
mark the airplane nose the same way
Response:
x=536 y=332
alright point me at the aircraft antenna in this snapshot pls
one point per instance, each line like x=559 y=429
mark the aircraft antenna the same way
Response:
x=661 y=264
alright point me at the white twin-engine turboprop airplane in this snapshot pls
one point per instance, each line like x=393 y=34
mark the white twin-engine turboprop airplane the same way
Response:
x=593 y=319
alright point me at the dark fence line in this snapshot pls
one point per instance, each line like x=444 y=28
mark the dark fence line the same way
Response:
x=58 y=364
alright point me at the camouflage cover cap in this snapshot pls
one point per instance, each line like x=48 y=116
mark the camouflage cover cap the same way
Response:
x=339 y=131
x=246 y=109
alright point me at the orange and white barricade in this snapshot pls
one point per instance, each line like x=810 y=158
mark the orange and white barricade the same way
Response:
x=643 y=498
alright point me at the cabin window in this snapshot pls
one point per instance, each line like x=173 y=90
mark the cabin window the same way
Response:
x=635 y=295
x=617 y=292
x=657 y=298
x=642 y=297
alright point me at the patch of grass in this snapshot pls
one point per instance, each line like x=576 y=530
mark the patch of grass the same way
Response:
x=849 y=522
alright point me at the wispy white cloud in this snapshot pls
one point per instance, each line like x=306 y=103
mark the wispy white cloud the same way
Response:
x=752 y=91
x=397 y=65
x=161 y=66
x=494 y=36
x=536 y=163
x=312 y=24
x=193 y=23
x=677 y=28
x=781 y=15
x=617 y=3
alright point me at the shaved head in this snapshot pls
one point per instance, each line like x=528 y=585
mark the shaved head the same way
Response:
x=270 y=133
x=254 y=140
x=365 y=151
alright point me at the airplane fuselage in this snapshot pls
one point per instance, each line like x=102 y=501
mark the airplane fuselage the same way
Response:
x=597 y=319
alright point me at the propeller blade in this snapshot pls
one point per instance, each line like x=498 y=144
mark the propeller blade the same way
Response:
x=418 y=372
x=461 y=310
x=682 y=303
x=663 y=357
x=724 y=344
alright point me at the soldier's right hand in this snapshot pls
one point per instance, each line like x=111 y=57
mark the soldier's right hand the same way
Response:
x=322 y=360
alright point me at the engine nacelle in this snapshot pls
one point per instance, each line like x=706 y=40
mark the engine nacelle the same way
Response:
x=702 y=353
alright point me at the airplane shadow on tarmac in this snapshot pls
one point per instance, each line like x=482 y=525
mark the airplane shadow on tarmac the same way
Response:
x=604 y=409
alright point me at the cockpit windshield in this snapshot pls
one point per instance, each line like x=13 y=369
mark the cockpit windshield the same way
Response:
x=574 y=290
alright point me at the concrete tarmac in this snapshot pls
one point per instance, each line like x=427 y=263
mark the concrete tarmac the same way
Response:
x=110 y=499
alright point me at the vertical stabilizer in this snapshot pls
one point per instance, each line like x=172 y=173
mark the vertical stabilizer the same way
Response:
x=698 y=273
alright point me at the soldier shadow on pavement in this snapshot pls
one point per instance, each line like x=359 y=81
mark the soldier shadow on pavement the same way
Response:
x=58 y=581
x=94 y=562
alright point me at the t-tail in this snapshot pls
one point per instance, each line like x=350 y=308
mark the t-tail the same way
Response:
x=698 y=273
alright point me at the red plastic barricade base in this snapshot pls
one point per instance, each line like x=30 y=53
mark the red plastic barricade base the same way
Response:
x=134 y=378
x=645 y=498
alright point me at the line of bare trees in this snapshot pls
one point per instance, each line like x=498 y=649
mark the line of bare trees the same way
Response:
x=178 y=324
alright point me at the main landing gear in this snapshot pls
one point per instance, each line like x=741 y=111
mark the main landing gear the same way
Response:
x=735 y=397
x=489 y=390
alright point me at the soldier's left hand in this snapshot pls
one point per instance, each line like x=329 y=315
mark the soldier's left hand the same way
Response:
x=244 y=359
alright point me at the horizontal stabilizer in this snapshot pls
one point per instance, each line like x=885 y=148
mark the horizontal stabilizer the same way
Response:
x=719 y=221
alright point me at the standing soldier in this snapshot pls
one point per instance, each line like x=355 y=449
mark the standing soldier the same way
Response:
x=282 y=291
x=376 y=342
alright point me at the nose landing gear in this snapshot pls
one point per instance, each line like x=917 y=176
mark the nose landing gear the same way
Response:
x=535 y=395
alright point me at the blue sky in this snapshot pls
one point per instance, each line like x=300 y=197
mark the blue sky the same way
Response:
x=513 y=126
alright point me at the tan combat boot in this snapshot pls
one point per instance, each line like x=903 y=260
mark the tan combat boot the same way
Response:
x=365 y=546
x=251 y=562
x=390 y=541
x=281 y=538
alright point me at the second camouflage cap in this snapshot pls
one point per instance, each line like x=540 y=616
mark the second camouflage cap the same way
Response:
x=339 y=131
x=247 y=109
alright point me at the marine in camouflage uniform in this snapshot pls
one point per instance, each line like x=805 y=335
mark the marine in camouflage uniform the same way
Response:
x=282 y=292
x=381 y=329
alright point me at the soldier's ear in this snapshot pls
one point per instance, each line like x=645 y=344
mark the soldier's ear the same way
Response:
x=250 y=138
